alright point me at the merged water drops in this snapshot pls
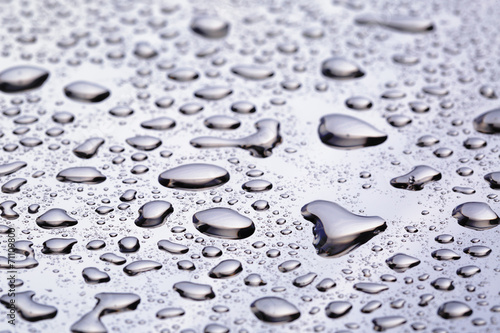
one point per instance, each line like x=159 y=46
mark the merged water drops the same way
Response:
x=260 y=144
x=27 y=308
x=417 y=178
x=338 y=231
x=106 y=303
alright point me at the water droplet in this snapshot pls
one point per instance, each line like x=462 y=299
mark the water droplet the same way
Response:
x=171 y=247
x=121 y=111
x=10 y=168
x=488 y=122
x=474 y=143
x=493 y=178
x=443 y=284
x=211 y=252
x=478 y=251
x=468 y=271
x=304 y=280
x=154 y=214
x=385 y=323
x=113 y=258
x=128 y=244
x=371 y=306
x=213 y=93
x=243 y=107
x=370 y=287
x=398 y=120
x=252 y=72
x=210 y=27
x=144 y=142
x=22 y=78
x=337 y=309
x=194 y=176
x=194 y=291
x=92 y=275
x=106 y=303
x=223 y=223
x=222 y=122
x=141 y=266
x=84 y=91
x=58 y=245
x=183 y=75
x=225 y=269
x=257 y=185
x=398 y=23
x=13 y=185
x=359 y=103
x=445 y=254
x=454 y=309
x=274 y=310
x=340 y=68
x=88 y=148
x=346 y=132
x=170 y=313
x=159 y=124
x=81 y=175
x=8 y=212
x=144 y=50
x=401 y=262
